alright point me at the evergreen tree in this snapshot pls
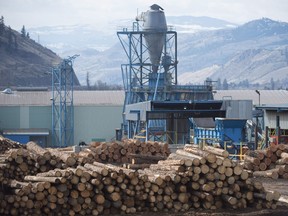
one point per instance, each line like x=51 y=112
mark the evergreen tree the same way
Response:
x=87 y=80
x=23 y=32
x=225 y=84
x=272 y=83
x=100 y=85
x=10 y=39
x=219 y=84
x=28 y=35
x=2 y=25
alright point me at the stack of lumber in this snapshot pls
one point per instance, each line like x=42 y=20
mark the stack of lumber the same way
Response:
x=6 y=144
x=271 y=162
x=122 y=152
x=189 y=179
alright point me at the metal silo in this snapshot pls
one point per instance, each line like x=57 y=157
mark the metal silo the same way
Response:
x=154 y=28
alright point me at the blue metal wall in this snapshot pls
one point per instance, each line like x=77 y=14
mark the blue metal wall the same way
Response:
x=19 y=138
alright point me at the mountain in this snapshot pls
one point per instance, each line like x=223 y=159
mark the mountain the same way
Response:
x=207 y=48
x=191 y=24
x=66 y=40
x=24 y=62
x=256 y=51
x=100 y=51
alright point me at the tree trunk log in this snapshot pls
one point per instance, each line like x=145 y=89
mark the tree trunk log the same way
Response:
x=216 y=151
x=67 y=158
x=57 y=180
x=273 y=173
x=211 y=158
x=181 y=152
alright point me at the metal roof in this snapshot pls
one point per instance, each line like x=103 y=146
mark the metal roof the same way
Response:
x=27 y=131
x=99 y=98
x=267 y=97
x=43 y=98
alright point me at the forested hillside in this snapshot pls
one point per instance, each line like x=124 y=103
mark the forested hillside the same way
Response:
x=23 y=61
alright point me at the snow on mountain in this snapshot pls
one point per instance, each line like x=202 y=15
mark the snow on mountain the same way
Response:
x=207 y=47
x=197 y=77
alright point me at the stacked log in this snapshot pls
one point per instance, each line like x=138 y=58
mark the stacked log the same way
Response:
x=224 y=179
x=189 y=179
x=6 y=144
x=271 y=162
x=21 y=162
x=122 y=152
x=108 y=189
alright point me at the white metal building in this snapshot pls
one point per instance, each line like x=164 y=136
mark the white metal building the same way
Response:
x=28 y=115
x=98 y=113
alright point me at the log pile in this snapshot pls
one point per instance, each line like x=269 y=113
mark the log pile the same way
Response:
x=122 y=152
x=16 y=163
x=271 y=162
x=20 y=162
x=188 y=179
x=6 y=144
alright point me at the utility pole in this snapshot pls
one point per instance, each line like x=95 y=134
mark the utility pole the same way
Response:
x=257 y=122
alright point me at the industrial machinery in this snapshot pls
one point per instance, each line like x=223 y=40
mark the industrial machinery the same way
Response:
x=228 y=134
x=155 y=106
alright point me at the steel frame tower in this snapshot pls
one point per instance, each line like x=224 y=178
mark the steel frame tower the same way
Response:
x=62 y=103
x=140 y=82
x=155 y=106
x=138 y=77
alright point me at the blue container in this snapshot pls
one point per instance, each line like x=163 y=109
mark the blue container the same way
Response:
x=231 y=129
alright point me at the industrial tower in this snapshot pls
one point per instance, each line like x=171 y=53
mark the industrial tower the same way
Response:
x=150 y=75
x=62 y=103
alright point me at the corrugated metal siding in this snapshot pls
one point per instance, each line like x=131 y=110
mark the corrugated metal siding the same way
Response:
x=96 y=122
x=270 y=119
x=40 y=117
x=142 y=107
x=238 y=109
x=26 y=98
x=80 y=98
x=266 y=96
x=117 y=97
x=99 y=97
x=9 y=117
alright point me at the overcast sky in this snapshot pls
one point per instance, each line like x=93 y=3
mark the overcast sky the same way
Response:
x=36 y=13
